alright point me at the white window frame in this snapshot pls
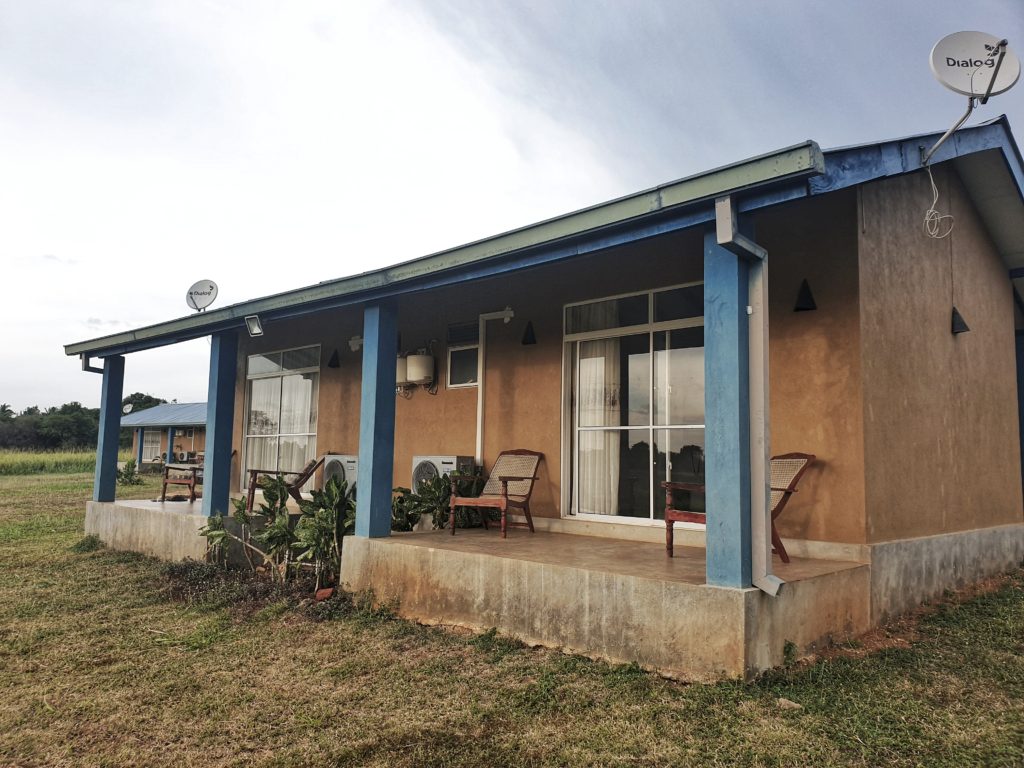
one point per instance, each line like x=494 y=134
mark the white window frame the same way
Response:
x=159 y=439
x=276 y=374
x=570 y=466
x=448 y=371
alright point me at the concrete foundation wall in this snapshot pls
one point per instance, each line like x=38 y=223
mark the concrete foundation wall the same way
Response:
x=150 y=528
x=695 y=632
x=908 y=572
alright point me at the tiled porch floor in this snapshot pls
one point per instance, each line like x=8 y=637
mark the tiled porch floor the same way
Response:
x=628 y=558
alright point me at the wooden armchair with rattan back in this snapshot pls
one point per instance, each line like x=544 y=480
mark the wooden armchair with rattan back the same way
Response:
x=293 y=482
x=786 y=471
x=509 y=486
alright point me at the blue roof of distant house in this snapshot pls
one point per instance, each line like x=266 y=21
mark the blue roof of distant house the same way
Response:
x=168 y=415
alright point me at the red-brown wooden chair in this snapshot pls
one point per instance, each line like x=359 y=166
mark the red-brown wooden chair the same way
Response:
x=509 y=487
x=294 y=485
x=786 y=471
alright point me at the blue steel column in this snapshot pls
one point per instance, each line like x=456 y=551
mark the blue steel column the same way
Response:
x=377 y=421
x=110 y=429
x=140 y=435
x=170 y=445
x=727 y=416
x=220 y=419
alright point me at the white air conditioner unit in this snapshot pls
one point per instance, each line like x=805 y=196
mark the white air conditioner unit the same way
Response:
x=343 y=467
x=429 y=467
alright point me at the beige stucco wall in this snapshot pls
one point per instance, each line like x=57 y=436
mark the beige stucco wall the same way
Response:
x=940 y=411
x=815 y=385
x=523 y=384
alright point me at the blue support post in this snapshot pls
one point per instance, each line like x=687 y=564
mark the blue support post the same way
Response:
x=110 y=429
x=140 y=435
x=170 y=445
x=220 y=420
x=727 y=416
x=377 y=421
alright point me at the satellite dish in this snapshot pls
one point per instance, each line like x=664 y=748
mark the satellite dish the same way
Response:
x=201 y=295
x=127 y=408
x=975 y=64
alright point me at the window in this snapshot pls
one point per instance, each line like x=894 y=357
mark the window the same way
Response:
x=635 y=396
x=463 y=353
x=462 y=366
x=281 y=408
x=150 y=444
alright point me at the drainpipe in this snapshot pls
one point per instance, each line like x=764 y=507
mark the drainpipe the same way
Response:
x=730 y=238
x=505 y=315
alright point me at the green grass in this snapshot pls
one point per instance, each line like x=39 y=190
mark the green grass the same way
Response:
x=50 y=462
x=99 y=667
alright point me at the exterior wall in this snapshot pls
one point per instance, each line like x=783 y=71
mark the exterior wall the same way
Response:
x=815 y=386
x=187 y=444
x=940 y=411
x=523 y=383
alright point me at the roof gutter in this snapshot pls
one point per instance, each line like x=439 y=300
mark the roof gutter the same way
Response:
x=786 y=165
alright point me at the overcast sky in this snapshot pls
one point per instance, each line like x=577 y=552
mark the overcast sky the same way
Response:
x=268 y=145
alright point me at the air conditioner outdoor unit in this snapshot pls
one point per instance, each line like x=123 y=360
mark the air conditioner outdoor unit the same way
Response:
x=343 y=467
x=429 y=467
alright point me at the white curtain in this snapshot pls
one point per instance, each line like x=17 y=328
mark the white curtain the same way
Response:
x=600 y=398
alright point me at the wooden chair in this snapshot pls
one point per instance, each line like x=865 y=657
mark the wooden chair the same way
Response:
x=509 y=486
x=786 y=471
x=184 y=474
x=294 y=486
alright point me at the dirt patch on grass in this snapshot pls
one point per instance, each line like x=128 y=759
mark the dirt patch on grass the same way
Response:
x=904 y=631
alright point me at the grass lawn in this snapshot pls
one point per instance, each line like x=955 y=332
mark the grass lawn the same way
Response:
x=99 y=667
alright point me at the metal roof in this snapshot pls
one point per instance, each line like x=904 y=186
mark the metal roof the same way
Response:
x=168 y=415
x=787 y=174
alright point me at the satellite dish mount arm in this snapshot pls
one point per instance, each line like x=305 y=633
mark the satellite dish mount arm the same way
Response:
x=970 y=108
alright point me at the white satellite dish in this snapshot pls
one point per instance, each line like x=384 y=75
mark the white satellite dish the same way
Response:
x=201 y=295
x=975 y=64
x=127 y=408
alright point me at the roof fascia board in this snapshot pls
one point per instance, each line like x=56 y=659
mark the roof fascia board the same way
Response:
x=856 y=165
x=781 y=168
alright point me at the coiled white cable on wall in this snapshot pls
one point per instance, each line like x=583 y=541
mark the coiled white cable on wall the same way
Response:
x=937 y=225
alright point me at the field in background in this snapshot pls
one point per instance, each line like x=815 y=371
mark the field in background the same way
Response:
x=98 y=667
x=50 y=462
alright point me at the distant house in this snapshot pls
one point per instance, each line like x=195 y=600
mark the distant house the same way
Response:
x=179 y=425
x=638 y=342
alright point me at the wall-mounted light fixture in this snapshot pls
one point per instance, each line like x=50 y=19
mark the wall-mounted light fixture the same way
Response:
x=334 y=362
x=253 y=325
x=959 y=325
x=529 y=337
x=355 y=343
x=805 y=299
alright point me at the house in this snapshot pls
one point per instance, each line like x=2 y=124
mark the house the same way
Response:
x=179 y=425
x=636 y=340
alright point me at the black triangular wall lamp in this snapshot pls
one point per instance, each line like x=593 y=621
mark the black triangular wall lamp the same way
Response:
x=959 y=326
x=333 y=362
x=804 y=299
x=529 y=337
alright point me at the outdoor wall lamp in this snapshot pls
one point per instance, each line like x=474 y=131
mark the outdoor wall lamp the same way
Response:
x=804 y=298
x=529 y=337
x=253 y=325
x=355 y=343
x=959 y=324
